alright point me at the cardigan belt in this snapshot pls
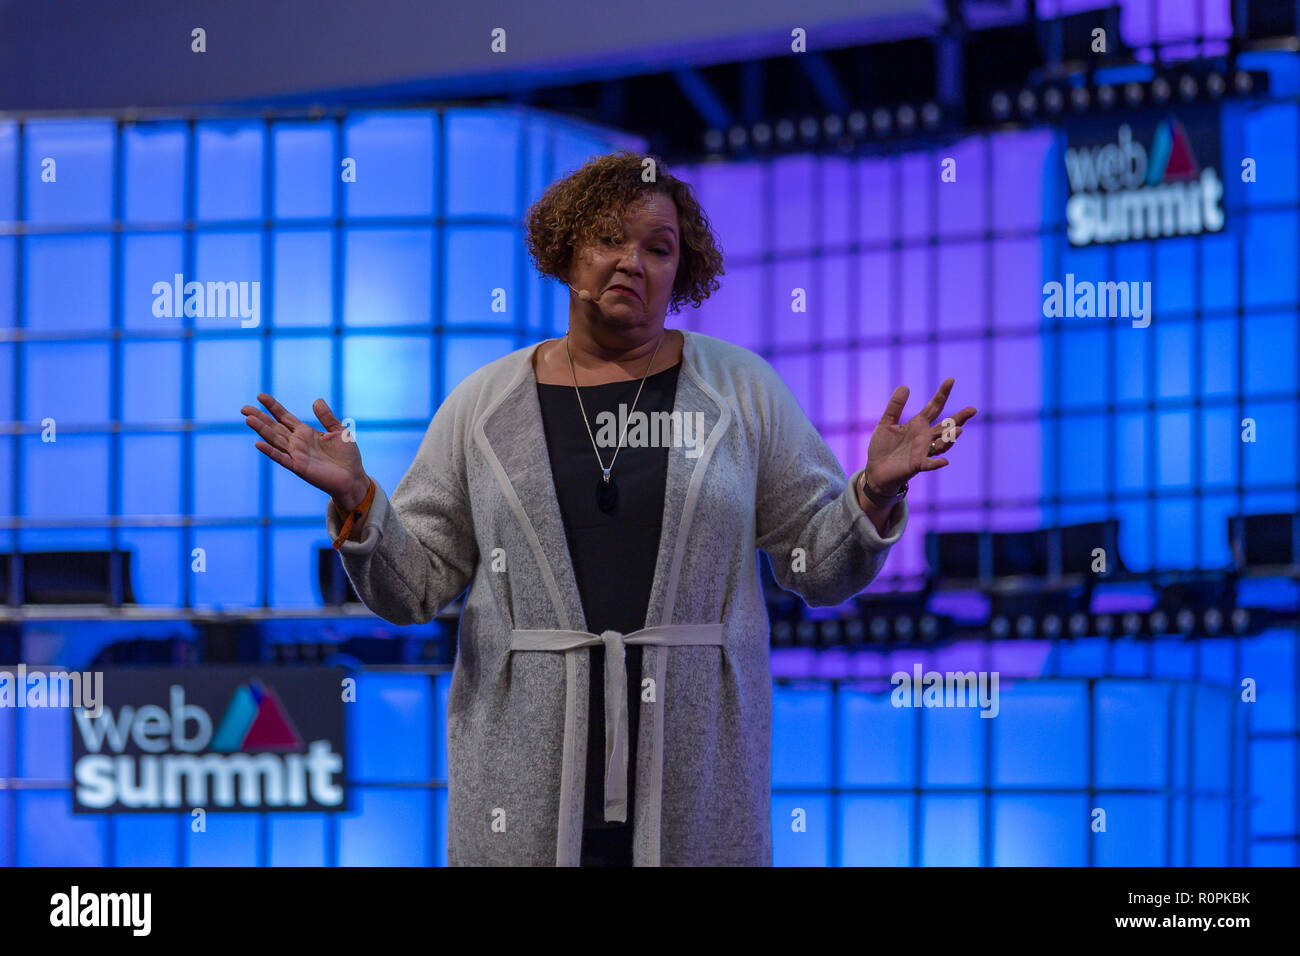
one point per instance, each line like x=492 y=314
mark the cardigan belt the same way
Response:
x=616 y=743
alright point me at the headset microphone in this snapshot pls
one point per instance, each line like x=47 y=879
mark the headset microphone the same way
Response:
x=583 y=294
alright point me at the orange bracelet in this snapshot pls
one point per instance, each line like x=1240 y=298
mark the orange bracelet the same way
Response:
x=355 y=515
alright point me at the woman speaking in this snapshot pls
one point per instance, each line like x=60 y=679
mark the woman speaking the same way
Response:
x=602 y=496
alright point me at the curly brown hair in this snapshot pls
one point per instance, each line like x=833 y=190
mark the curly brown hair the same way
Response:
x=590 y=202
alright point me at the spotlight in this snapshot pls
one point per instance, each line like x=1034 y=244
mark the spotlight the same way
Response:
x=830 y=633
x=785 y=132
x=903 y=627
x=1240 y=620
x=1053 y=100
x=906 y=118
x=808 y=128
x=1242 y=82
x=1024 y=627
x=854 y=632
x=930 y=115
x=736 y=137
x=1133 y=93
x=858 y=123
x=1105 y=624
x=1106 y=96
x=1213 y=620
x=929 y=627
x=805 y=633
x=762 y=134
x=782 y=634
x=1078 y=625
x=1160 y=89
x=1079 y=98
x=1051 y=626
x=1215 y=85
x=1027 y=102
x=1186 y=621
x=1132 y=623
x=832 y=126
x=879 y=629
x=1001 y=105
x=999 y=626
x=1187 y=86
x=880 y=121
x=1159 y=622
x=713 y=141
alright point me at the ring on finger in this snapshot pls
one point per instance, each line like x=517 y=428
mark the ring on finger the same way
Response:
x=934 y=445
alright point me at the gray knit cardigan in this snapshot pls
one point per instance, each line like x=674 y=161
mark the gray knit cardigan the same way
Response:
x=478 y=509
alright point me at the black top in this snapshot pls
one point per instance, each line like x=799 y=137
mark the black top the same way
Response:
x=614 y=555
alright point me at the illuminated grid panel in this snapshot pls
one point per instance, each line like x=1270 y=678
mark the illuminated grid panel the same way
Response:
x=877 y=785
x=1146 y=423
x=909 y=279
x=1180 y=28
x=894 y=786
x=1150 y=732
x=375 y=294
x=906 y=280
x=378 y=294
x=1149 y=420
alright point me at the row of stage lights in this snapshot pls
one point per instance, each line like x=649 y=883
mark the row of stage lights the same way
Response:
x=1053 y=99
x=846 y=131
x=907 y=119
x=927 y=628
x=1038 y=586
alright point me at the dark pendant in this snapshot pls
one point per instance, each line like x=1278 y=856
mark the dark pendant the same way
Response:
x=606 y=495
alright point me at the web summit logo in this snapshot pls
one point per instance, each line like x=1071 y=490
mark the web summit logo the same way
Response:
x=149 y=757
x=1121 y=190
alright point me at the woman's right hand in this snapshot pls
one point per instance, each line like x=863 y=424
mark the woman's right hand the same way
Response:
x=323 y=459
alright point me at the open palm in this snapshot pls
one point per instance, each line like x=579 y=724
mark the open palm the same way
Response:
x=897 y=451
x=328 y=460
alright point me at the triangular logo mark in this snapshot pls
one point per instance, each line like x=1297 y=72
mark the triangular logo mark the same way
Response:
x=255 y=721
x=271 y=728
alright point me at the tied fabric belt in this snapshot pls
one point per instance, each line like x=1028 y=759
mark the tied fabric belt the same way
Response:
x=664 y=635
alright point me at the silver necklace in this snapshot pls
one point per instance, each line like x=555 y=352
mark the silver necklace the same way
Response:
x=606 y=489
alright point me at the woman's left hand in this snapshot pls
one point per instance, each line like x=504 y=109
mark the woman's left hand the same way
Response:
x=898 y=452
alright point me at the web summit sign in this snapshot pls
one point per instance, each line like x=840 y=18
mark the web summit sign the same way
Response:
x=221 y=739
x=1143 y=177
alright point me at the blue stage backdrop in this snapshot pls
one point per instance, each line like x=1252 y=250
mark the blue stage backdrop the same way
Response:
x=851 y=275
